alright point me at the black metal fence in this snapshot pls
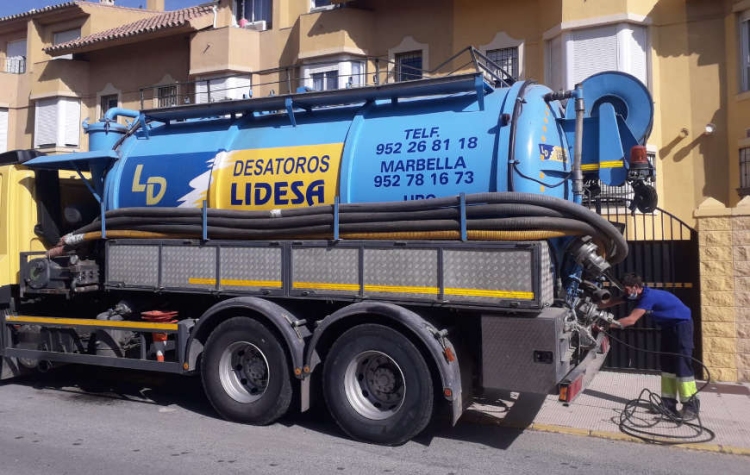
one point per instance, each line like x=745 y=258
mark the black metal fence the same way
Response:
x=664 y=251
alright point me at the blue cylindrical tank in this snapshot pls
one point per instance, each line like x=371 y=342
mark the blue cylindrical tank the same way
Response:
x=505 y=139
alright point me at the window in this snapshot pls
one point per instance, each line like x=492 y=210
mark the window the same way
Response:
x=340 y=74
x=108 y=102
x=222 y=89
x=61 y=37
x=254 y=12
x=15 y=57
x=577 y=54
x=166 y=96
x=745 y=50
x=744 y=171
x=408 y=66
x=57 y=122
x=326 y=81
x=507 y=59
x=3 y=130
x=320 y=4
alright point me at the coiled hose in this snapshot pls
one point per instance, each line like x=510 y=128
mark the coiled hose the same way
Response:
x=488 y=216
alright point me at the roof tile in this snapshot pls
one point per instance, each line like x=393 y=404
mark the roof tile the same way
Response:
x=166 y=20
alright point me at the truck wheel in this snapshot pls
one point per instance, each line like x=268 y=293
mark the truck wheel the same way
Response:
x=377 y=385
x=245 y=372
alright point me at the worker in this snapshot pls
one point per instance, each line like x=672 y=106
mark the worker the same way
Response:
x=674 y=319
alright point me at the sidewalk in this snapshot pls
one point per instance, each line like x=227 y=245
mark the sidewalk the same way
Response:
x=725 y=413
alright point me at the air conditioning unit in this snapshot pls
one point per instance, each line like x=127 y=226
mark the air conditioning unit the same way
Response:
x=256 y=25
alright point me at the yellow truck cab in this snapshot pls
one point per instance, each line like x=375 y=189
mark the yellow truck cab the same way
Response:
x=26 y=223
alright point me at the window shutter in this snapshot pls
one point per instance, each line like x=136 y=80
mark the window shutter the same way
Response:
x=15 y=62
x=638 y=54
x=201 y=92
x=555 y=70
x=45 y=125
x=71 y=110
x=357 y=77
x=64 y=36
x=238 y=87
x=17 y=48
x=594 y=51
x=3 y=130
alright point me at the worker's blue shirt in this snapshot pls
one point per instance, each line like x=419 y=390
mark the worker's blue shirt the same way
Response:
x=665 y=308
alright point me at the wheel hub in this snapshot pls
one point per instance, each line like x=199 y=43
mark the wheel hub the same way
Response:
x=374 y=385
x=244 y=372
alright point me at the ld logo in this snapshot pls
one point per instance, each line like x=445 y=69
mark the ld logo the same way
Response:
x=155 y=186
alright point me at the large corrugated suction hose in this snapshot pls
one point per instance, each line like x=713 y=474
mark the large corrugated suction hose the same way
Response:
x=488 y=216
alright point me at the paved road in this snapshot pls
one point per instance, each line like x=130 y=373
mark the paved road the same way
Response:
x=133 y=423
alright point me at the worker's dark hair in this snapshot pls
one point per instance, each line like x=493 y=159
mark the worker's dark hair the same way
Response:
x=632 y=280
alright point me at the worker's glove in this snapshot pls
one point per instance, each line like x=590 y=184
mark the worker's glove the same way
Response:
x=607 y=319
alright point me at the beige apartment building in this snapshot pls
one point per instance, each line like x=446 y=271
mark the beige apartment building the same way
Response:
x=72 y=61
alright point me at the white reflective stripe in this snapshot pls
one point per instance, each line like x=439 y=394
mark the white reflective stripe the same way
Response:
x=668 y=395
x=669 y=376
x=687 y=379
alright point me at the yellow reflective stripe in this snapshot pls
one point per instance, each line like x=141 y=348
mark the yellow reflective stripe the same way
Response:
x=686 y=389
x=502 y=294
x=80 y=322
x=669 y=385
x=669 y=285
x=235 y=282
x=403 y=289
x=589 y=167
x=325 y=286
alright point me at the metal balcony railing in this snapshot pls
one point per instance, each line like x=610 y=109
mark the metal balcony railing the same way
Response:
x=373 y=71
x=15 y=65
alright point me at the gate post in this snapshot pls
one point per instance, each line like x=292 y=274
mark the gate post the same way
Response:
x=724 y=239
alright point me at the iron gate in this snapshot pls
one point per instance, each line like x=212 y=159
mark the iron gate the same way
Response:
x=663 y=250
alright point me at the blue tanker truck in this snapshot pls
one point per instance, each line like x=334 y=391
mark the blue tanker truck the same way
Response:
x=395 y=247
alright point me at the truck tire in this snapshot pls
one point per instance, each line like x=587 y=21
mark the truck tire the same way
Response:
x=245 y=372
x=377 y=385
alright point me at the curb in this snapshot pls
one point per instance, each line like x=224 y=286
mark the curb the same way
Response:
x=481 y=419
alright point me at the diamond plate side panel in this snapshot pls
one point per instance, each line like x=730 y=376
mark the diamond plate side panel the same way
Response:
x=326 y=270
x=547 y=277
x=133 y=265
x=401 y=272
x=180 y=264
x=508 y=346
x=248 y=268
x=507 y=273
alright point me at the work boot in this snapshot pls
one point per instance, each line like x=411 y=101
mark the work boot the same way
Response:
x=690 y=409
x=667 y=407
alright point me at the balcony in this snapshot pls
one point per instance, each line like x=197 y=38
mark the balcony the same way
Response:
x=342 y=30
x=60 y=77
x=225 y=49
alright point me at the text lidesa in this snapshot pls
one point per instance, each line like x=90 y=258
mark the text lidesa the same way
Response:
x=295 y=176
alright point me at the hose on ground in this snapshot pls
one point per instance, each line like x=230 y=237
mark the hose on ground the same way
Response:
x=645 y=417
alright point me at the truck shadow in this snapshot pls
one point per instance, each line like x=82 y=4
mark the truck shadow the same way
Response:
x=495 y=420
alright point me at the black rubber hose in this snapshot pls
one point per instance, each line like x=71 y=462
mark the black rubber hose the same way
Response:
x=221 y=213
x=268 y=223
x=618 y=247
x=231 y=233
x=534 y=223
x=365 y=225
x=428 y=215
x=127 y=217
